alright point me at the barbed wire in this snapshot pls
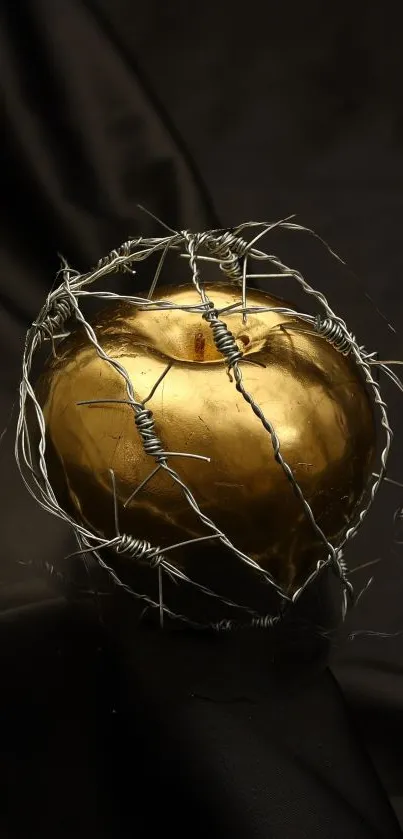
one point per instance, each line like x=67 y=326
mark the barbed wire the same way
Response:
x=232 y=253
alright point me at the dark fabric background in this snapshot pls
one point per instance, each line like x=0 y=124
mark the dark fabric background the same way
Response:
x=206 y=115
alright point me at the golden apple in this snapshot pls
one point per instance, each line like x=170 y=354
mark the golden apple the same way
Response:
x=314 y=397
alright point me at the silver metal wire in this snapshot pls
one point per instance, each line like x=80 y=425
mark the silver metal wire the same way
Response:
x=334 y=333
x=232 y=253
x=228 y=250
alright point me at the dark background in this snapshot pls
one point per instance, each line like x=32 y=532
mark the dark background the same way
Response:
x=207 y=115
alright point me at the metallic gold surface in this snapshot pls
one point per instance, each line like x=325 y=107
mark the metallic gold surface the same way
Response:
x=312 y=394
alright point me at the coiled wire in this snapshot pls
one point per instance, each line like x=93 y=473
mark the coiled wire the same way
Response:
x=223 y=337
x=334 y=333
x=146 y=427
x=57 y=310
x=116 y=258
x=229 y=248
x=138 y=549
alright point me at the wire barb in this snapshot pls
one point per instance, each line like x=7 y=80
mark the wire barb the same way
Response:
x=334 y=333
x=56 y=311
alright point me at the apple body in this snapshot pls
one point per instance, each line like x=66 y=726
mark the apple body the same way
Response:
x=313 y=395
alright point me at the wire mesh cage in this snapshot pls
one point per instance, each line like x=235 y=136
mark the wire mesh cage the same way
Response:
x=96 y=449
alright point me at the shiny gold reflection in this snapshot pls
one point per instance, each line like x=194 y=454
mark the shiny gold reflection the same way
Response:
x=314 y=397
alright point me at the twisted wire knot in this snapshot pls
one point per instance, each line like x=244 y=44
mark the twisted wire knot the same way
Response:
x=195 y=240
x=222 y=337
x=334 y=333
x=265 y=621
x=140 y=549
x=341 y=562
x=151 y=443
x=224 y=625
x=229 y=248
x=56 y=312
x=124 y=251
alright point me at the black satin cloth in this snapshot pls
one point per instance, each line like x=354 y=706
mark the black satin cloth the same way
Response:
x=207 y=117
